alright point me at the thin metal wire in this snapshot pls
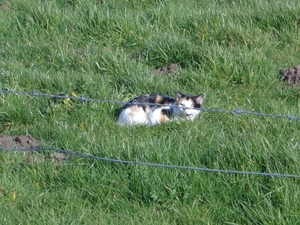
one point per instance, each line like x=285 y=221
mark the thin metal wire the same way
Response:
x=236 y=112
x=83 y=99
x=203 y=169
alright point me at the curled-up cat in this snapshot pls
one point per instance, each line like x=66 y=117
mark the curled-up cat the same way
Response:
x=153 y=109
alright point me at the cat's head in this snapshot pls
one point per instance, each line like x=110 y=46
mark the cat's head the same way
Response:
x=187 y=105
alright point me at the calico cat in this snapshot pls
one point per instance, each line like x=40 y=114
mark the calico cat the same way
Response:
x=153 y=109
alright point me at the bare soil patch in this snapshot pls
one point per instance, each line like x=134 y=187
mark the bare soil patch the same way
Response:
x=5 y=6
x=18 y=142
x=168 y=70
x=33 y=155
x=291 y=75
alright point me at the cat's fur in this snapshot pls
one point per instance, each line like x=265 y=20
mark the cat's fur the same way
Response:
x=142 y=109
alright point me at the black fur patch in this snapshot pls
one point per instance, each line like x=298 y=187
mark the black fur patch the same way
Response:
x=150 y=98
x=167 y=112
x=196 y=104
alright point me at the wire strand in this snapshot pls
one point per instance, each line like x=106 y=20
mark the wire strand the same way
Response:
x=203 y=169
x=83 y=99
x=235 y=112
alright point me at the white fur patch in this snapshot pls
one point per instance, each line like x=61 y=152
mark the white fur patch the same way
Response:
x=185 y=109
x=132 y=116
x=156 y=116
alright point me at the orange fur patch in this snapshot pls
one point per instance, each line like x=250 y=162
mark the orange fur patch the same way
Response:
x=164 y=118
x=133 y=110
x=158 y=98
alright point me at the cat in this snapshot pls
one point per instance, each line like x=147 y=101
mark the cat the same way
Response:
x=151 y=109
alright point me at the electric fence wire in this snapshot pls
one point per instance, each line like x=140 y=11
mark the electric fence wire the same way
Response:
x=203 y=169
x=83 y=99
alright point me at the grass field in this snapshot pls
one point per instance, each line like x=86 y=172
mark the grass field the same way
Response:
x=232 y=51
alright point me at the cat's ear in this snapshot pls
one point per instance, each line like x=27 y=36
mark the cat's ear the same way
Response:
x=199 y=99
x=179 y=95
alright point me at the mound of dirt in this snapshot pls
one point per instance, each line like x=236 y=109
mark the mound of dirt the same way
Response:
x=4 y=6
x=171 y=69
x=56 y=157
x=33 y=156
x=291 y=75
x=18 y=142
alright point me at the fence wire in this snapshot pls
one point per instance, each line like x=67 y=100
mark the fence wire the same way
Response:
x=203 y=169
x=84 y=99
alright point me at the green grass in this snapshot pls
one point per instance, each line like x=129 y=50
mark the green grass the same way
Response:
x=232 y=51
